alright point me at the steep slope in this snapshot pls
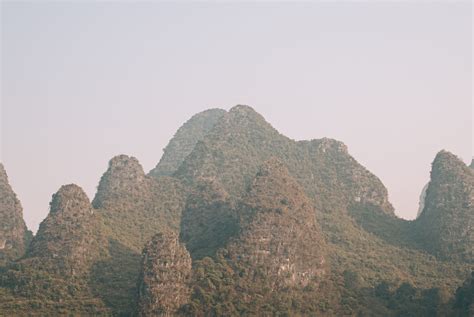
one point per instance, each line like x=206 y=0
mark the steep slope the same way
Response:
x=340 y=189
x=242 y=140
x=67 y=235
x=184 y=140
x=278 y=232
x=54 y=274
x=277 y=259
x=133 y=207
x=164 y=279
x=445 y=227
x=14 y=235
x=472 y=164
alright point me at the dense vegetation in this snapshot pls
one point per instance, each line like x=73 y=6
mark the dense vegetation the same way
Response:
x=273 y=227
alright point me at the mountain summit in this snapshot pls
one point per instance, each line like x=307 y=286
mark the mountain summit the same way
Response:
x=14 y=235
x=445 y=223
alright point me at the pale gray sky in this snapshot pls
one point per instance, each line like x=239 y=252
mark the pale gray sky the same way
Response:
x=84 y=81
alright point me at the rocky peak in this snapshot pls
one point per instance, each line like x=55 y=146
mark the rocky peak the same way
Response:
x=72 y=200
x=279 y=234
x=183 y=142
x=68 y=236
x=13 y=232
x=124 y=176
x=325 y=144
x=446 y=164
x=165 y=273
x=472 y=164
x=445 y=224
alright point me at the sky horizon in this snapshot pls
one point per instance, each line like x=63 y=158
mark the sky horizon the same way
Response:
x=82 y=82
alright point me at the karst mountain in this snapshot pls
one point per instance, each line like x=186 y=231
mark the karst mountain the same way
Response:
x=237 y=219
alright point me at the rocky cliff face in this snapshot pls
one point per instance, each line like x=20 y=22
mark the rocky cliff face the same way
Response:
x=279 y=234
x=68 y=237
x=184 y=141
x=446 y=225
x=472 y=164
x=278 y=253
x=165 y=274
x=13 y=232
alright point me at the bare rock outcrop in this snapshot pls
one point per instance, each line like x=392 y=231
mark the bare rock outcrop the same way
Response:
x=165 y=273
x=13 y=232
x=68 y=237
x=280 y=241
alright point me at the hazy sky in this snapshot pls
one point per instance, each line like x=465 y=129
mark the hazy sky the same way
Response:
x=84 y=81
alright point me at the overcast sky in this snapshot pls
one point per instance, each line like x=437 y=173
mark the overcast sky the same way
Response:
x=84 y=81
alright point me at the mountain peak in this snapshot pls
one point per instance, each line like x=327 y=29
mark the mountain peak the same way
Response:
x=242 y=109
x=66 y=233
x=13 y=231
x=445 y=220
x=279 y=233
x=125 y=175
x=3 y=173
x=184 y=140
x=70 y=198
x=124 y=162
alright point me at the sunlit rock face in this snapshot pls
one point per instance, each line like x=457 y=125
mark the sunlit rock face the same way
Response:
x=280 y=241
x=165 y=273
x=446 y=223
x=13 y=232
x=421 y=203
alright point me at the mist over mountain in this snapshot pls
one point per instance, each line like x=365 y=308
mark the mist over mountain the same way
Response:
x=238 y=219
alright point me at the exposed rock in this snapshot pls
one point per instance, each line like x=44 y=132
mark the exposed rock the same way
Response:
x=421 y=204
x=278 y=253
x=183 y=142
x=446 y=225
x=279 y=234
x=13 y=232
x=242 y=140
x=68 y=237
x=472 y=164
x=166 y=270
x=123 y=178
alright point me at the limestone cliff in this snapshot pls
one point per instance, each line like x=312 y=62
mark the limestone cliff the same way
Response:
x=13 y=232
x=446 y=225
x=68 y=237
x=165 y=273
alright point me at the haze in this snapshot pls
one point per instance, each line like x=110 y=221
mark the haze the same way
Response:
x=84 y=81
